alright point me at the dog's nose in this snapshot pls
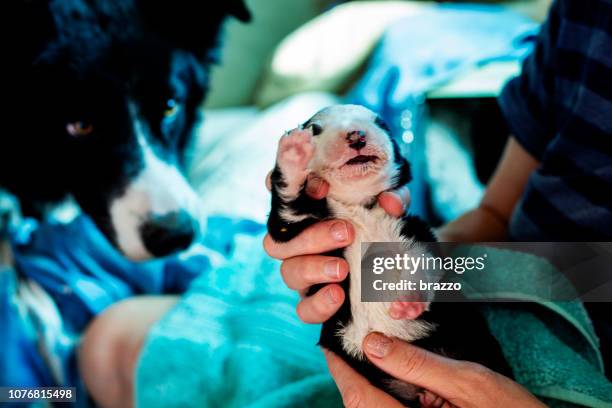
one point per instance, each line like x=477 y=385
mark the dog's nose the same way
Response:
x=164 y=234
x=356 y=139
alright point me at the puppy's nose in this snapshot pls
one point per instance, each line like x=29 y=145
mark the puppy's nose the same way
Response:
x=165 y=234
x=356 y=139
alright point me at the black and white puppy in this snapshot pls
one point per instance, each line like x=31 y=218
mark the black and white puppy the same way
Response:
x=102 y=98
x=351 y=148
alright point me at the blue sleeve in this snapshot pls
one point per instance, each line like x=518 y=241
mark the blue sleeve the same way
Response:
x=527 y=101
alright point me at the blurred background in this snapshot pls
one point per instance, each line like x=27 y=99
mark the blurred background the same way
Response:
x=431 y=69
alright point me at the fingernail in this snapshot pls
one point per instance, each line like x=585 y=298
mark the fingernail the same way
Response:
x=314 y=186
x=331 y=269
x=332 y=296
x=339 y=231
x=378 y=345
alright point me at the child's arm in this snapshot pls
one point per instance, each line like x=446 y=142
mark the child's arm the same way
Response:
x=489 y=221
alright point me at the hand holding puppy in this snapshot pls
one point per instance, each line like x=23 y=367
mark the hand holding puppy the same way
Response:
x=449 y=383
x=302 y=265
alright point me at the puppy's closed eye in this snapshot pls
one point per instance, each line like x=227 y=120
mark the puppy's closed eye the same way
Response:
x=316 y=129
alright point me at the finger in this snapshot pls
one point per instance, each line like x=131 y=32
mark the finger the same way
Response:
x=440 y=375
x=316 y=187
x=322 y=305
x=356 y=391
x=302 y=272
x=269 y=180
x=318 y=238
x=395 y=202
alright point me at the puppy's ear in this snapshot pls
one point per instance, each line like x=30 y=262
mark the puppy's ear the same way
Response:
x=188 y=24
x=403 y=174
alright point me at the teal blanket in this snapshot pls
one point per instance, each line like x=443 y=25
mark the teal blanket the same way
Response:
x=234 y=341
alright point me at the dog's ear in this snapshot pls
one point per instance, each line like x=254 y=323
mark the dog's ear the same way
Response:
x=27 y=28
x=188 y=24
x=238 y=9
x=28 y=164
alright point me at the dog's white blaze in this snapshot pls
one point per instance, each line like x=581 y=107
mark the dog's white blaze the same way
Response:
x=127 y=213
x=159 y=189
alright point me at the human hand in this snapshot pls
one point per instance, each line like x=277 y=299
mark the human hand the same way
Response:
x=447 y=382
x=302 y=265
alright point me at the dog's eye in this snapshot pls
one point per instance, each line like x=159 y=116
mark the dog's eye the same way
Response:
x=79 y=129
x=171 y=109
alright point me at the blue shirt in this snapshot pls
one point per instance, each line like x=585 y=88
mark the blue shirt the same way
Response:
x=560 y=110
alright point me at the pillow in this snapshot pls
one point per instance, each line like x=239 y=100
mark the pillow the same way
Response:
x=327 y=52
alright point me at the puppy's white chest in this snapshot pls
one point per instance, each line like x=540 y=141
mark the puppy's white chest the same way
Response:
x=371 y=226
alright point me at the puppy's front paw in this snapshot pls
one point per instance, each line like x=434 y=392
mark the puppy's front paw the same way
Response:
x=428 y=399
x=295 y=149
x=407 y=310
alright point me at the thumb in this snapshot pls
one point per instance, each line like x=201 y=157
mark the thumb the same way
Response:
x=355 y=390
x=417 y=366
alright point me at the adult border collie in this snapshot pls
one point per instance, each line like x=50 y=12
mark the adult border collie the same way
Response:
x=102 y=97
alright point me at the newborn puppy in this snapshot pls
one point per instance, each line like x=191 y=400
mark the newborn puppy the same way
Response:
x=351 y=148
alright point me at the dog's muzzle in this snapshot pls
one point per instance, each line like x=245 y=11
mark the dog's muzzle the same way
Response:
x=169 y=233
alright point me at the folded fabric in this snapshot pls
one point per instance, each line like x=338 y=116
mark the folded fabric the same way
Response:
x=550 y=356
x=550 y=345
x=61 y=275
x=82 y=271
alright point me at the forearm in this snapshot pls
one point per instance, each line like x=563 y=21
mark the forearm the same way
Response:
x=478 y=225
x=489 y=221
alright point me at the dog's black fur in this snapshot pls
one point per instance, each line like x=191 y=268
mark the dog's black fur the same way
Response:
x=85 y=62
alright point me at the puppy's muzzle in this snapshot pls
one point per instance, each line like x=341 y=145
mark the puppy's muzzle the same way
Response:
x=165 y=234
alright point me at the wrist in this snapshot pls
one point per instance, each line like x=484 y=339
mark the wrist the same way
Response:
x=478 y=225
